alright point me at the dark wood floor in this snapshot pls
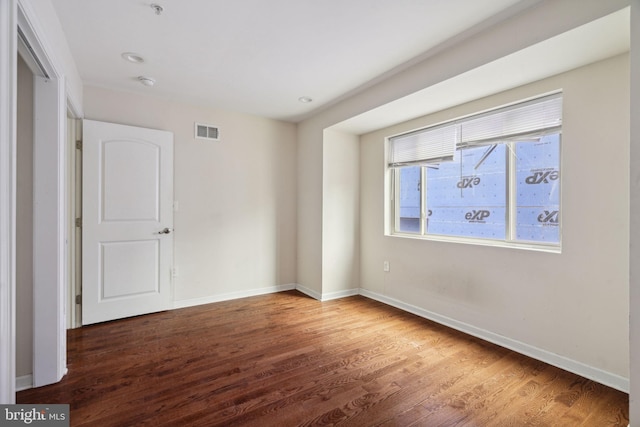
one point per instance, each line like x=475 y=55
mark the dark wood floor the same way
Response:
x=288 y=360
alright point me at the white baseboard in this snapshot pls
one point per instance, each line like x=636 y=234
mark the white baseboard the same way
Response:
x=340 y=294
x=328 y=296
x=233 y=295
x=24 y=382
x=313 y=294
x=595 y=374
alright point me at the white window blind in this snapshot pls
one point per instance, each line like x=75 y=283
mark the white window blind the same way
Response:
x=425 y=146
x=529 y=119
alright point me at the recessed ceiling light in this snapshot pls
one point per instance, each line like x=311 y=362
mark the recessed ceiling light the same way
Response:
x=132 y=57
x=147 y=81
x=305 y=99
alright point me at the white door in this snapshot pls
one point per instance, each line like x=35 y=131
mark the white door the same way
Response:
x=127 y=221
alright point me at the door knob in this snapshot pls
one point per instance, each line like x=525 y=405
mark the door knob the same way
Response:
x=165 y=231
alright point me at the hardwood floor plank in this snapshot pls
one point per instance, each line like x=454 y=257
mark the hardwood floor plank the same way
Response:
x=288 y=360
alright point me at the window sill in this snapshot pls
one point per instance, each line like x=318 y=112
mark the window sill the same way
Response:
x=555 y=249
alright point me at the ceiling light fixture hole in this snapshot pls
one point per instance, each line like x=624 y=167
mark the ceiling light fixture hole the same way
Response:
x=133 y=57
x=147 y=81
x=157 y=8
x=305 y=99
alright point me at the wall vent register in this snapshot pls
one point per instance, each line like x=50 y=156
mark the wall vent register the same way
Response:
x=202 y=131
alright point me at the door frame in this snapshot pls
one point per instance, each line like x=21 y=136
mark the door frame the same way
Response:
x=18 y=18
x=8 y=75
x=74 y=167
x=51 y=193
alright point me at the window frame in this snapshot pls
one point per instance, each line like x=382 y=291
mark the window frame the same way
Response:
x=392 y=192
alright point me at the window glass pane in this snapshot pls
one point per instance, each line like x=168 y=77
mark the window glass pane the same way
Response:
x=409 y=200
x=538 y=190
x=467 y=197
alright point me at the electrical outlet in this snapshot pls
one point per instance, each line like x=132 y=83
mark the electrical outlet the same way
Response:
x=174 y=272
x=386 y=266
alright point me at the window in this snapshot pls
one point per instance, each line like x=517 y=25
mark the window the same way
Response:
x=491 y=178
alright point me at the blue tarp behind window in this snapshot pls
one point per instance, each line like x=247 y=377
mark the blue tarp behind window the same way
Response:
x=538 y=190
x=467 y=197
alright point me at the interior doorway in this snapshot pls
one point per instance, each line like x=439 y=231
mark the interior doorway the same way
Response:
x=24 y=226
x=43 y=177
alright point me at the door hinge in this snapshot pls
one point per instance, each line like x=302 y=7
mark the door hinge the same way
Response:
x=78 y=222
x=79 y=299
x=79 y=145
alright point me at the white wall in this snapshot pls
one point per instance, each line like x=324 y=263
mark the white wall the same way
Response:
x=309 y=210
x=340 y=214
x=542 y=21
x=235 y=230
x=573 y=305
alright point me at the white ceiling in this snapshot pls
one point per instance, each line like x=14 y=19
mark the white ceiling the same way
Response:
x=595 y=41
x=260 y=56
